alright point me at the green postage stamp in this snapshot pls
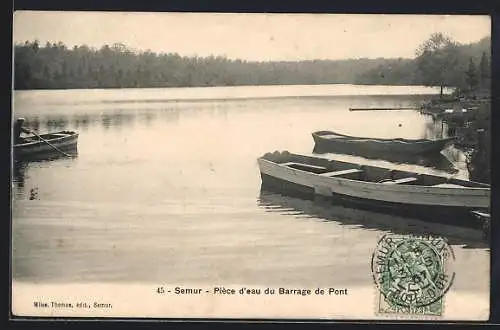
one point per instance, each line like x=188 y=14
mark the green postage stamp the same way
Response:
x=412 y=274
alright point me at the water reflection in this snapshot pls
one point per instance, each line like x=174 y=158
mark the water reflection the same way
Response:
x=116 y=119
x=433 y=129
x=57 y=123
x=455 y=155
x=459 y=153
x=147 y=117
x=19 y=171
x=106 y=120
x=20 y=168
x=325 y=210
x=81 y=121
x=18 y=174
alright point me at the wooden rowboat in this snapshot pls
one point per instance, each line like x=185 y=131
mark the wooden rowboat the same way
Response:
x=372 y=186
x=55 y=143
x=335 y=142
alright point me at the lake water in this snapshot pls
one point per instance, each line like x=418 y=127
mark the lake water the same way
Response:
x=166 y=188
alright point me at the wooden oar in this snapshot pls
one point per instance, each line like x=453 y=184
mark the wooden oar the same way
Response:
x=50 y=144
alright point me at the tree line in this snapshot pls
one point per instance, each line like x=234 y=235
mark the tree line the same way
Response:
x=439 y=62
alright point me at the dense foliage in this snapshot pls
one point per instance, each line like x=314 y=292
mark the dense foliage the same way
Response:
x=439 y=62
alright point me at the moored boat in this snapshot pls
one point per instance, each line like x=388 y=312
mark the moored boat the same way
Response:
x=376 y=187
x=335 y=142
x=46 y=145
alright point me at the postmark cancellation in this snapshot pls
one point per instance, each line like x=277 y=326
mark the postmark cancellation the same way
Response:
x=412 y=275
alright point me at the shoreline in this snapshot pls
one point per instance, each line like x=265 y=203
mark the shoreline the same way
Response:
x=472 y=129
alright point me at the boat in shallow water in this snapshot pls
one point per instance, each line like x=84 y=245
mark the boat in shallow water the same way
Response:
x=399 y=191
x=336 y=142
x=48 y=146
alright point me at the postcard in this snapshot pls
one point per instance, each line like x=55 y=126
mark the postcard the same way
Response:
x=251 y=166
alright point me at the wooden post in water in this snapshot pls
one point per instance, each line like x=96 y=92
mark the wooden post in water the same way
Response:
x=381 y=109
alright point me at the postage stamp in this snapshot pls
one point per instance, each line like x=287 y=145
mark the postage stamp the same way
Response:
x=412 y=274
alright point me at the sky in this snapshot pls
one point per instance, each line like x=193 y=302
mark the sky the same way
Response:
x=260 y=37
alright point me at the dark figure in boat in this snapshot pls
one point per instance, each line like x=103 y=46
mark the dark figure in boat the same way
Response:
x=18 y=129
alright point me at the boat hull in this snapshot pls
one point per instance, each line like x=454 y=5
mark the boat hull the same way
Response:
x=457 y=216
x=431 y=203
x=370 y=147
x=65 y=141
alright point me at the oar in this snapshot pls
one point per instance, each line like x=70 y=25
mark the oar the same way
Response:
x=50 y=144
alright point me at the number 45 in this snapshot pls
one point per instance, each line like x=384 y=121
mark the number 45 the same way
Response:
x=160 y=290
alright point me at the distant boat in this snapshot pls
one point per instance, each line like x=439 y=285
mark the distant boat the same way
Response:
x=336 y=142
x=373 y=186
x=50 y=145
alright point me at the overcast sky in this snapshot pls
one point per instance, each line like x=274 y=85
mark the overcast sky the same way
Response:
x=251 y=36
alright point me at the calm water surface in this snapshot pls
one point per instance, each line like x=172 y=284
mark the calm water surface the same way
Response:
x=166 y=188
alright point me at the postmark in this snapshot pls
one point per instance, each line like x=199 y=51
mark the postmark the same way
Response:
x=412 y=274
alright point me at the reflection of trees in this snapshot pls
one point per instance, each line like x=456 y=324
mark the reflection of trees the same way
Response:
x=56 y=123
x=18 y=174
x=170 y=114
x=148 y=116
x=32 y=123
x=116 y=119
x=81 y=121
x=106 y=121
x=51 y=122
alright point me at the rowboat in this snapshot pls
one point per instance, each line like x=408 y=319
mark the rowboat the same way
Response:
x=380 y=188
x=336 y=142
x=49 y=145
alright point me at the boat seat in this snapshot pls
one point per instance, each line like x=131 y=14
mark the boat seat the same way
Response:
x=401 y=181
x=343 y=172
x=305 y=165
x=446 y=185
